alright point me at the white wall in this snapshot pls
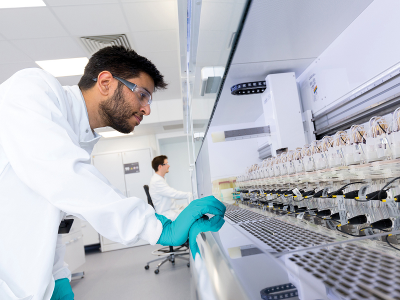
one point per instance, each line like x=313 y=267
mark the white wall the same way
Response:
x=368 y=48
x=176 y=151
x=178 y=176
x=126 y=143
x=165 y=111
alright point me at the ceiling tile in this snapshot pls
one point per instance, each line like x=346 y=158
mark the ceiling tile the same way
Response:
x=7 y=70
x=10 y=54
x=173 y=91
x=36 y=22
x=207 y=58
x=148 y=16
x=216 y=15
x=170 y=110
x=212 y=58
x=164 y=60
x=92 y=19
x=50 y=48
x=210 y=40
x=77 y=2
x=69 y=80
x=155 y=41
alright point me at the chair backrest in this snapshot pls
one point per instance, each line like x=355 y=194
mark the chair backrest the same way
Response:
x=146 y=190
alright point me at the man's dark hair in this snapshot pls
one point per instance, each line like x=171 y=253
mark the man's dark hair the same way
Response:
x=121 y=62
x=157 y=161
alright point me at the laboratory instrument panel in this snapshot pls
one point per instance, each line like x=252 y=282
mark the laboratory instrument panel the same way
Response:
x=345 y=192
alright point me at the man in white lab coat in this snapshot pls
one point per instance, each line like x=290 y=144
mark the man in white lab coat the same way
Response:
x=46 y=139
x=162 y=195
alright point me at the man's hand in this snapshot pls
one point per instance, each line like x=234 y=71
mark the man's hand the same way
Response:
x=202 y=225
x=176 y=233
x=62 y=290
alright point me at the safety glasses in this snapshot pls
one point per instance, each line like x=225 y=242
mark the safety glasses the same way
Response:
x=143 y=95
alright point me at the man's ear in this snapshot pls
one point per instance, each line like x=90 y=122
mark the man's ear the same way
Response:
x=104 y=83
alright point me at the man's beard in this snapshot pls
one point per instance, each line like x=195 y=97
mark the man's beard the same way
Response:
x=116 y=112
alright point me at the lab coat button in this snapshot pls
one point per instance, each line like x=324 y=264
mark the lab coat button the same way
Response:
x=87 y=130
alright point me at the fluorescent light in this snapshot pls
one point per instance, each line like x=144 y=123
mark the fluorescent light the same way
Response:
x=21 y=3
x=64 y=67
x=110 y=134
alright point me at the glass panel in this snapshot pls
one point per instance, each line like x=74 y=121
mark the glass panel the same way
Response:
x=324 y=213
x=211 y=32
x=219 y=23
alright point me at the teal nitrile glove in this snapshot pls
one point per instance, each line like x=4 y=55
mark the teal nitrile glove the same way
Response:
x=176 y=233
x=202 y=225
x=163 y=219
x=62 y=290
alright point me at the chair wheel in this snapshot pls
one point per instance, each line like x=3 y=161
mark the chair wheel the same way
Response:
x=188 y=265
x=146 y=267
x=157 y=271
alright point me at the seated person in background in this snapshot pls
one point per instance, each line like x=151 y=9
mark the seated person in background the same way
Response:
x=162 y=194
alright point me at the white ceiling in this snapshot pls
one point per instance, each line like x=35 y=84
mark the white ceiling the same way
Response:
x=53 y=32
x=281 y=36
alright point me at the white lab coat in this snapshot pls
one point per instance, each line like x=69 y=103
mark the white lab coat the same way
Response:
x=163 y=197
x=45 y=170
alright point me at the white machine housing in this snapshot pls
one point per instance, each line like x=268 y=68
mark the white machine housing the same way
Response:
x=282 y=112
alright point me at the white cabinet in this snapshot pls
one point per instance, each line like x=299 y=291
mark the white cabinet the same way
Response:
x=136 y=180
x=90 y=235
x=110 y=165
x=127 y=171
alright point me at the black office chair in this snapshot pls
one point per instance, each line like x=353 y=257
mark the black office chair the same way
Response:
x=178 y=252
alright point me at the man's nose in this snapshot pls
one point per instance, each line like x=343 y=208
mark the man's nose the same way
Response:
x=146 y=110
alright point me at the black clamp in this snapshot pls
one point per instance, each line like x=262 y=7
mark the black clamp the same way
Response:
x=248 y=88
x=65 y=226
x=279 y=292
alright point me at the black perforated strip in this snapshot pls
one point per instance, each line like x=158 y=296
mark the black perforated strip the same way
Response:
x=279 y=292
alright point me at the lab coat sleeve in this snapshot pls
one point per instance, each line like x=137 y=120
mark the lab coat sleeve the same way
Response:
x=60 y=268
x=160 y=187
x=44 y=152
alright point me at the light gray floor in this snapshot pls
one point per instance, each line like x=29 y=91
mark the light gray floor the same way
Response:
x=121 y=275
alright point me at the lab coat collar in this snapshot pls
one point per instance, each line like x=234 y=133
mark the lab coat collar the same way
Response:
x=87 y=137
x=85 y=132
x=163 y=178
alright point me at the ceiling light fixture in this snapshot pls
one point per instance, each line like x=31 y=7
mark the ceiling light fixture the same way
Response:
x=110 y=134
x=21 y=3
x=64 y=67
